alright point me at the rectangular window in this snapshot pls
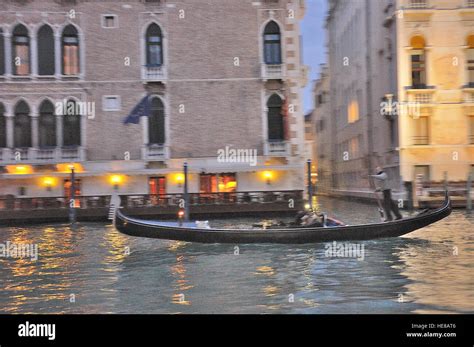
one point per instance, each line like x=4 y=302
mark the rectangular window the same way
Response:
x=422 y=131
x=157 y=189
x=111 y=103
x=471 y=128
x=470 y=66
x=157 y=185
x=21 y=60
x=109 y=21
x=418 y=69
x=70 y=57
x=2 y=54
x=222 y=183
x=77 y=191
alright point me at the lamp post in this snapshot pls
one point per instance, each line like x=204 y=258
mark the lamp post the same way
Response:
x=186 y=195
x=310 y=186
x=72 y=202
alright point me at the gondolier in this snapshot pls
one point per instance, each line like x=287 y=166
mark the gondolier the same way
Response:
x=389 y=205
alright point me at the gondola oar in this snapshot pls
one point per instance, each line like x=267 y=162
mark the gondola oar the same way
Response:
x=381 y=211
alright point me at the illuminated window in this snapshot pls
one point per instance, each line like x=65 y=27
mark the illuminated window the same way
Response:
x=70 y=43
x=21 y=51
x=353 y=112
x=223 y=183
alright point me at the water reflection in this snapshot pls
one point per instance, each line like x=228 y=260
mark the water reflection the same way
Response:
x=107 y=272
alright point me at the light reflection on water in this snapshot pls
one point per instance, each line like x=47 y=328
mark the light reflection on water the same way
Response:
x=431 y=270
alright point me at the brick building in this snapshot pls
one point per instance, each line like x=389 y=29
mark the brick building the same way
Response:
x=219 y=75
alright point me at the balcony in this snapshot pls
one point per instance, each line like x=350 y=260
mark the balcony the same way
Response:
x=273 y=72
x=421 y=140
x=418 y=9
x=155 y=153
x=277 y=149
x=417 y=4
x=420 y=96
x=41 y=155
x=152 y=73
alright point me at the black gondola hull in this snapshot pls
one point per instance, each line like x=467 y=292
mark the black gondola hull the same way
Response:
x=143 y=228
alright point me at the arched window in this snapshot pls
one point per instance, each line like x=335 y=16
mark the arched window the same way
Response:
x=47 y=125
x=156 y=122
x=45 y=51
x=70 y=50
x=272 y=43
x=22 y=126
x=418 y=62
x=3 y=127
x=154 y=46
x=276 y=129
x=470 y=60
x=72 y=126
x=2 y=53
x=21 y=51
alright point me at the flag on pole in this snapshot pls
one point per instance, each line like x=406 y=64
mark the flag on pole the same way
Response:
x=142 y=109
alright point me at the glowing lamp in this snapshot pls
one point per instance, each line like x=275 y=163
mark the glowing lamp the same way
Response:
x=19 y=169
x=268 y=175
x=179 y=178
x=116 y=180
x=48 y=182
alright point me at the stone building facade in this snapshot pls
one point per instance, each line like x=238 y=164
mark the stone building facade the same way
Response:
x=362 y=72
x=436 y=73
x=217 y=76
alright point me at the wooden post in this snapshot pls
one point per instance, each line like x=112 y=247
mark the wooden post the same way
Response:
x=445 y=174
x=468 y=193
x=186 y=195
x=310 y=186
x=72 y=201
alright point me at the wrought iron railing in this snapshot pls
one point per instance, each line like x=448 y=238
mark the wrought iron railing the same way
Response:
x=10 y=202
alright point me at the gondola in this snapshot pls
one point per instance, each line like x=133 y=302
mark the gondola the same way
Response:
x=296 y=235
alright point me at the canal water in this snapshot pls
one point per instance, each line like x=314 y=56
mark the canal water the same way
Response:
x=95 y=269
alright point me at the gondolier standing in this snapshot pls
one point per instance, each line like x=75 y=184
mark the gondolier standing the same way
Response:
x=389 y=205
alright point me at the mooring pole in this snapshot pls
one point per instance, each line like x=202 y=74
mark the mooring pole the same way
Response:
x=468 y=193
x=445 y=174
x=310 y=186
x=186 y=195
x=72 y=201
